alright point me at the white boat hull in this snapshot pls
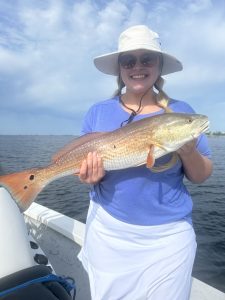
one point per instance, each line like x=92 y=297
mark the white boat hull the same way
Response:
x=61 y=238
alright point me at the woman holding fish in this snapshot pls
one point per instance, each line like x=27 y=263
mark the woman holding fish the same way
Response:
x=140 y=243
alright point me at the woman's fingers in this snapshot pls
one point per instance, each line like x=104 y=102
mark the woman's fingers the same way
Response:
x=101 y=170
x=187 y=148
x=83 y=170
x=92 y=169
x=90 y=164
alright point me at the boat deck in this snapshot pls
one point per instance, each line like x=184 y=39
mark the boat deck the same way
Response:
x=61 y=237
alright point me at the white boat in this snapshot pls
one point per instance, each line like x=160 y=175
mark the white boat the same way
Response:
x=61 y=237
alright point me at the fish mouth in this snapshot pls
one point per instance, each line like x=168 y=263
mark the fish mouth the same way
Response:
x=205 y=127
x=202 y=129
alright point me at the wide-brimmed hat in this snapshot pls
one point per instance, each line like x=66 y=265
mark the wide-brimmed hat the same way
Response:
x=135 y=38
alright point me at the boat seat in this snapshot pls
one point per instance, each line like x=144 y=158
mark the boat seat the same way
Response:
x=44 y=290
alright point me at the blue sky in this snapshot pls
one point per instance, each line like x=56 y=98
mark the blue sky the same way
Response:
x=47 y=77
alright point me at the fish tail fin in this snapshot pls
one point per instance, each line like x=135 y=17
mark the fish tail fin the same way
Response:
x=23 y=187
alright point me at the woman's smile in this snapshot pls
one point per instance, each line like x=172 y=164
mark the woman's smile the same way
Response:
x=139 y=76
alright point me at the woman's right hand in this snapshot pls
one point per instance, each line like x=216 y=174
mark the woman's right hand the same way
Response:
x=92 y=170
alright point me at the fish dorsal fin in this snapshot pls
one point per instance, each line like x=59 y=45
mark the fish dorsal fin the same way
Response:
x=76 y=143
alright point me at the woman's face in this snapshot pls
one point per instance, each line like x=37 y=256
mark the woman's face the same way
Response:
x=139 y=70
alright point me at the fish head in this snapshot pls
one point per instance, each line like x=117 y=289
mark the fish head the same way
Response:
x=176 y=129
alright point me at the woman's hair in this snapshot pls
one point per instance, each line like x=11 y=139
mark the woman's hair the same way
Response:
x=162 y=98
x=120 y=85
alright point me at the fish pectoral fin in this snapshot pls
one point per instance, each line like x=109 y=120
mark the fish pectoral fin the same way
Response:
x=150 y=158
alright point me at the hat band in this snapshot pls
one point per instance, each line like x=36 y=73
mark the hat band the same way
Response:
x=136 y=46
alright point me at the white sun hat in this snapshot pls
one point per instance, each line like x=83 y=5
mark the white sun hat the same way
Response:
x=135 y=38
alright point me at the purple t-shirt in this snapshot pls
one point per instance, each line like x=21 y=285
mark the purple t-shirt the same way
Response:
x=138 y=195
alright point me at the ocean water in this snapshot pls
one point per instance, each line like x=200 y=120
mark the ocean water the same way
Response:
x=70 y=197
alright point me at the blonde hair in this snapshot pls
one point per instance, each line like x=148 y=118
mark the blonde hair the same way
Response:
x=162 y=98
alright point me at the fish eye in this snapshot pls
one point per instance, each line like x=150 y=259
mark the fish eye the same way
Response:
x=190 y=120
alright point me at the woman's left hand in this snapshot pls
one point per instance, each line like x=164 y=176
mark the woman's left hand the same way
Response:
x=187 y=148
x=197 y=167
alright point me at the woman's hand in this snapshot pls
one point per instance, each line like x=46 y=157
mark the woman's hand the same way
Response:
x=197 y=167
x=92 y=170
x=187 y=148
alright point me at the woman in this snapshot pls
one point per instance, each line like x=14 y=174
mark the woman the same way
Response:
x=140 y=243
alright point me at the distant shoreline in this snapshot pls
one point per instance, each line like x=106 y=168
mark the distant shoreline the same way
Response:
x=216 y=133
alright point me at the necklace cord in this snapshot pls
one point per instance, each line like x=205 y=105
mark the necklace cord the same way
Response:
x=133 y=112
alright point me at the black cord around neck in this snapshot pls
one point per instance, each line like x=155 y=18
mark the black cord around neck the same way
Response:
x=133 y=112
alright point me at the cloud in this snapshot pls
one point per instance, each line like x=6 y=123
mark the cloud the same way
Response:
x=199 y=5
x=47 y=47
x=195 y=32
x=54 y=61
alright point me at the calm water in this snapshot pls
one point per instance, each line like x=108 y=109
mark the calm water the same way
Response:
x=70 y=197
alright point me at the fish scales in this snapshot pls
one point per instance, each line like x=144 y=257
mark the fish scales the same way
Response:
x=137 y=143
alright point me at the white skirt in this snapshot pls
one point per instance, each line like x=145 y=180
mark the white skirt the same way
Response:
x=132 y=262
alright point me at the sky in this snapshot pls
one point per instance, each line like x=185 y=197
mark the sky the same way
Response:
x=47 y=77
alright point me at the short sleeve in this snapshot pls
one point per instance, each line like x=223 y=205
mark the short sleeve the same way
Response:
x=203 y=146
x=87 y=124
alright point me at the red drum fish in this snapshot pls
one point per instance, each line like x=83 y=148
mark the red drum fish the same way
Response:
x=135 y=144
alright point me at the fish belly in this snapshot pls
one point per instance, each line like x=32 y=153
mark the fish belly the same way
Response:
x=125 y=161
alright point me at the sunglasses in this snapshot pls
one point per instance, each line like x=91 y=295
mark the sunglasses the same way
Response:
x=128 y=61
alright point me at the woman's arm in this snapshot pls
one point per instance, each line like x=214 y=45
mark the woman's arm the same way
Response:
x=197 y=167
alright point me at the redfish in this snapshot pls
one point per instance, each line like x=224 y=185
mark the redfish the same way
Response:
x=135 y=144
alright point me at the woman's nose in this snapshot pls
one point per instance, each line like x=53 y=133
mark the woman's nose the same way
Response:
x=138 y=65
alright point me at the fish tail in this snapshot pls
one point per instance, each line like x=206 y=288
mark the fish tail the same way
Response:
x=23 y=187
